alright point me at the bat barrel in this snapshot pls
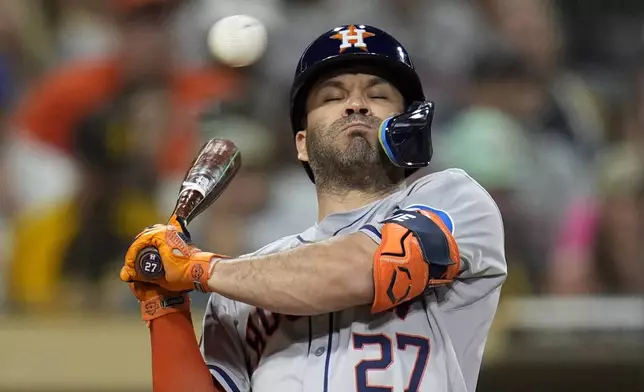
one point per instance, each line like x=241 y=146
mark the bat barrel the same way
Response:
x=210 y=173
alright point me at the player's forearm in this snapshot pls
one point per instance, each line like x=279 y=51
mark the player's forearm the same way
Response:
x=177 y=364
x=312 y=279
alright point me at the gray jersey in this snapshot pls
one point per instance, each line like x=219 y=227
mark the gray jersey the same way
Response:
x=432 y=343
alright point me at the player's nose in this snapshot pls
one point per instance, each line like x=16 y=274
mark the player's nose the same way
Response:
x=356 y=105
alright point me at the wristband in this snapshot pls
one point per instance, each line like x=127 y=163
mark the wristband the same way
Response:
x=160 y=306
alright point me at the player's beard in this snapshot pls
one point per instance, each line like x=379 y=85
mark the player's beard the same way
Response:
x=359 y=165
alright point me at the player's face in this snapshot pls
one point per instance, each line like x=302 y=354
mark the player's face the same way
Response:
x=341 y=143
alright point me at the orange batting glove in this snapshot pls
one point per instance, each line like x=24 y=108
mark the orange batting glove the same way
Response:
x=156 y=301
x=185 y=266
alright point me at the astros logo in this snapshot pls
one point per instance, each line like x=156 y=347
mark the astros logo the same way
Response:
x=352 y=37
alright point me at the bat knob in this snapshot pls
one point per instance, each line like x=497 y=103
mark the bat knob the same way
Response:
x=148 y=263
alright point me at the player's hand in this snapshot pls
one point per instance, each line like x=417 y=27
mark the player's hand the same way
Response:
x=186 y=267
x=156 y=301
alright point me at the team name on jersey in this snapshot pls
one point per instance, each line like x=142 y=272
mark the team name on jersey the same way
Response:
x=261 y=325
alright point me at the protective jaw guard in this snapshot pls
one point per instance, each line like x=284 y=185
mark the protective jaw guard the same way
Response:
x=406 y=138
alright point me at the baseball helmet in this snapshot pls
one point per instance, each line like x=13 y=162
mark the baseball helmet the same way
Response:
x=405 y=138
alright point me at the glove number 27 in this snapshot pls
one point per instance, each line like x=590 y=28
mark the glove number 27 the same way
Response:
x=150 y=267
x=150 y=263
x=403 y=343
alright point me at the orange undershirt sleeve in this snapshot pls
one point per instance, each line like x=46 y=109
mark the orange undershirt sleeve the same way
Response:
x=177 y=364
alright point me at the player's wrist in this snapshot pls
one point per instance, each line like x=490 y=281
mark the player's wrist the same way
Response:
x=162 y=305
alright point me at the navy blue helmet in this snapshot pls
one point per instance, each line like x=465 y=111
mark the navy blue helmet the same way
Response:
x=352 y=46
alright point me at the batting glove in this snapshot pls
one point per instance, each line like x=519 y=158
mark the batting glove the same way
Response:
x=185 y=266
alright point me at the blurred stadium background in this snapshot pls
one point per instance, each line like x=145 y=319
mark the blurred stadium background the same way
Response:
x=103 y=103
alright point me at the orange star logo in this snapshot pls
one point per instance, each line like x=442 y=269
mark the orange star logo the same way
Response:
x=352 y=37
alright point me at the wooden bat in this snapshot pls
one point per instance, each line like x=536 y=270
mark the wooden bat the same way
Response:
x=210 y=173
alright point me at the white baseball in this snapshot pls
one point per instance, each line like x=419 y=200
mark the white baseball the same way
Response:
x=238 y=40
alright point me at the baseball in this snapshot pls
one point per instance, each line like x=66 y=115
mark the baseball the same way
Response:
x=238 y=40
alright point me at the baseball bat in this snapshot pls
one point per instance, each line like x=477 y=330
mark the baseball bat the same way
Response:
x=210 y=173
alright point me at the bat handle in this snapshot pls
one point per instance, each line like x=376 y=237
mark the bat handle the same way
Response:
x=148 y=263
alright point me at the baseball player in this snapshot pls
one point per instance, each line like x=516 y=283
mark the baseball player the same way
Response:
x=393 y=289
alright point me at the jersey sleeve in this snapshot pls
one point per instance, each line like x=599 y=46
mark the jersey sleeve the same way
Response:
x=221 y=346
x=468 y=212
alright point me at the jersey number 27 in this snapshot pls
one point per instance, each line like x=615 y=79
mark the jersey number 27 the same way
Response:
x=403 y=342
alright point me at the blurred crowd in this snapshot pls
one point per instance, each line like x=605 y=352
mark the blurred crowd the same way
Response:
x=103 y=104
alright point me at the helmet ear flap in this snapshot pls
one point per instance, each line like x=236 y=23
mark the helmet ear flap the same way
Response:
x=407 y=138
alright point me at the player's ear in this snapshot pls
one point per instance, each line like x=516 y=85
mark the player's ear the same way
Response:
x=300 y=144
